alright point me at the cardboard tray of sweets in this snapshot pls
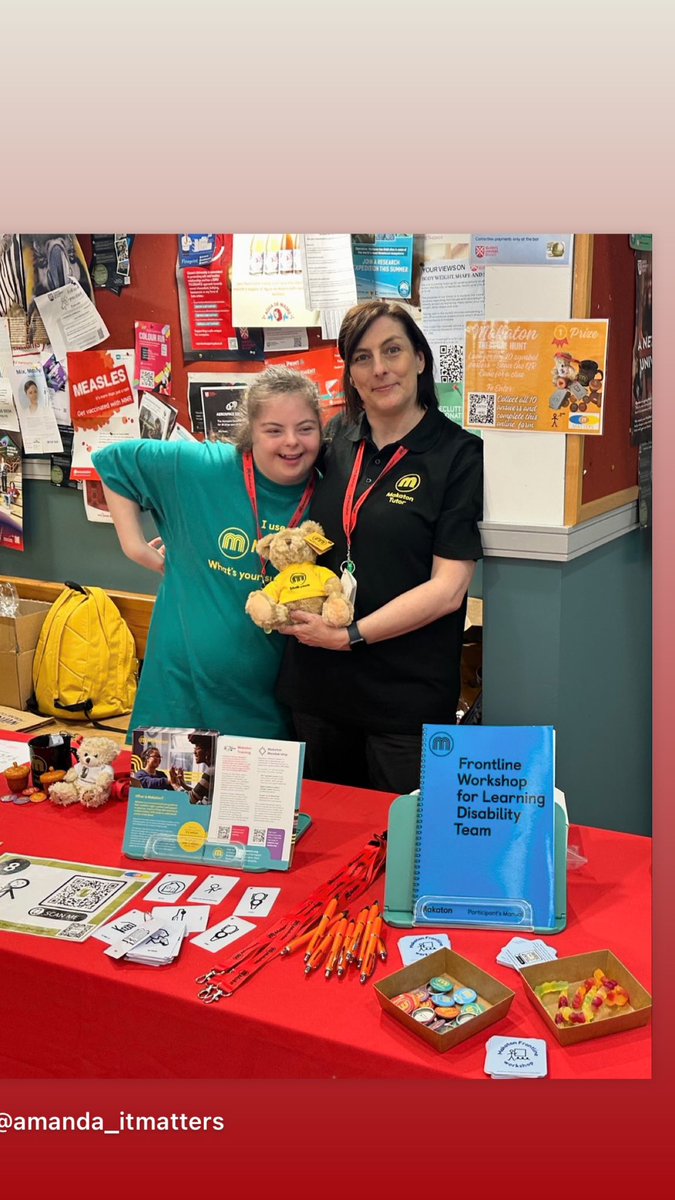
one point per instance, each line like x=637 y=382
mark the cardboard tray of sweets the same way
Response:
x=489 y=992
x=575 y=969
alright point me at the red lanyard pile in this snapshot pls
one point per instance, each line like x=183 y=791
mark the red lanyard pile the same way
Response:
x=347 y=884
x=249 y=482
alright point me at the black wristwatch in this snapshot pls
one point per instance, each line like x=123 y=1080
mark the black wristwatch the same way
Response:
x=354 y=634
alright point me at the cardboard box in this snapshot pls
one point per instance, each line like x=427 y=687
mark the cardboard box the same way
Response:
x=14 y=721
x=575 y=969
x=490 y=992
x=18 y=639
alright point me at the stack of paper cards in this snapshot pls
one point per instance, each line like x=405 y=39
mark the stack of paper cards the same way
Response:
x=523 y=952
x=161 y=947
x=515 y=1058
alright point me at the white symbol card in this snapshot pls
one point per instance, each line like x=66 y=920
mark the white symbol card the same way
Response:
x=415 y=946
x=222 y=935
x=195 y=917
x=214 y=888
x=170 y=888
x=256 y=902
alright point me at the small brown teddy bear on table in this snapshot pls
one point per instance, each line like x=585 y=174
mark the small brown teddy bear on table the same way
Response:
x=90 y=780
x=300 y=584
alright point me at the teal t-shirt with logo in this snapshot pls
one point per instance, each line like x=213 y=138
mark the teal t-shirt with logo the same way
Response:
x=207 y=666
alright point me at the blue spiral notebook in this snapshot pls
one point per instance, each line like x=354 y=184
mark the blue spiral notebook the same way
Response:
x=485 y=844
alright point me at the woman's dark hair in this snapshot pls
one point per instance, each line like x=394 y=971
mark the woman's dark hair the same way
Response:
x=355 y=324
x=150 y=749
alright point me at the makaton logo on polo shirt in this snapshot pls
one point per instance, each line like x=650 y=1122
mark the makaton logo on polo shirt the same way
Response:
x=404 y=486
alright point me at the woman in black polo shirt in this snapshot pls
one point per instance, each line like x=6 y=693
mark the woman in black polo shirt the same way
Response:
x=400 y=499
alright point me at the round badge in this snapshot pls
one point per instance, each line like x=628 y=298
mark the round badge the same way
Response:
x=21 y=799
x=441 y=984
x=447 y=1000
x=423 y=1015
x=465 y=996
x=37 y=797
x=463 y=1018
x=57 y=475
x=474 y=1010
x=448 y=1014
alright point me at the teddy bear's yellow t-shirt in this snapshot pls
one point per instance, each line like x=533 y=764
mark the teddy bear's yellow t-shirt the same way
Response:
x=303 y=581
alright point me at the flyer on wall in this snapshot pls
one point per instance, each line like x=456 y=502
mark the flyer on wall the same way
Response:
x=11 y=482
x=538 y=376
x=267 y=281
x=39 y=429
x=383 y=265
x=205 y=303
x=103 y=404
x=152 y=368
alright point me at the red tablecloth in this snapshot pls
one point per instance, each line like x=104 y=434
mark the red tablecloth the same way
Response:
x=69 y=1011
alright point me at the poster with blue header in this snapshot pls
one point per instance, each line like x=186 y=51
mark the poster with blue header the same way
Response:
x=383 y=265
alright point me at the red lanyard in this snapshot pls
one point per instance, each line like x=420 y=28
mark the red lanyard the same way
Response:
x=249 y=481
x=350 y=511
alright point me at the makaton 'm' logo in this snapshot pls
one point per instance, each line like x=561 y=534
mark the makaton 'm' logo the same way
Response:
x=408 y=483
x=234 y=543
x=441 y=744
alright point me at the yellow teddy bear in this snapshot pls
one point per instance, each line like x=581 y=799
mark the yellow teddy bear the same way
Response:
x=300 y=584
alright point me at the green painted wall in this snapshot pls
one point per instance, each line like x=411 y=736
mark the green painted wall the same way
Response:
x=62 y=544
x=570 y=645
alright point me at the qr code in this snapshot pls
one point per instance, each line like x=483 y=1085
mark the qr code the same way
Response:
x=258 y=837
x=146 y=378
x=482 y=408
x=84 y=893
x=76 y=933
x=451 y=362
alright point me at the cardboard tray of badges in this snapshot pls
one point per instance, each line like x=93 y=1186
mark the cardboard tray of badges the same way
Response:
x=489 y=991
x=575 y=969
x=399 y=879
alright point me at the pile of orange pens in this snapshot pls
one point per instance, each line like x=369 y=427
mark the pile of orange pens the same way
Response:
x=337 y=943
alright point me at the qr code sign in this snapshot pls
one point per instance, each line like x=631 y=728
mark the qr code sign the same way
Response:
x=258 y=837
x=84 y=893
x=451 y=362
x=482 y=408
x=146 y=378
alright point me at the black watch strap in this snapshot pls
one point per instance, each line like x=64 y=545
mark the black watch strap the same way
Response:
x=353 y=634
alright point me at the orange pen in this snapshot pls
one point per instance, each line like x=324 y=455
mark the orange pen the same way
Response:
x=343 y=960
x=336 y=947
x=297 y=942
x=319 y=954
x=381 y=949
x=369 y=958
x=321 y=927
x=372 y=915
x=358 y=930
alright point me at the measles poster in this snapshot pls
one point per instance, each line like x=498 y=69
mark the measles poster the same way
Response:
x=536 y=376
x=103 y=405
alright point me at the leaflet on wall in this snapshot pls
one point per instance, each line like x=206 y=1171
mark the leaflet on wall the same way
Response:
x=196 y=249
x=383 y=265
x=220 y=409
x=267 y=281
x=57 y=386
x=39 y=430
x=71 y=320
x=328 y=270
x=95 y=507
x=532 y=249
x=205 y=302
x=156 y=418
x=451 y=293
x=539 y=376
x=104 y=407
x=152 y=366
x=11 y=475
x=235 y=382
x=641 y=398
x=278 y=340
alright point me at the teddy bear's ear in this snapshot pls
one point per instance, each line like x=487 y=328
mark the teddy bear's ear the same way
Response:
x=262 y=546
x=310 y=527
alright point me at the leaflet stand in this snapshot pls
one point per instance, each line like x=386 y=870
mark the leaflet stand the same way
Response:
x=401 y=843
x=233 y=855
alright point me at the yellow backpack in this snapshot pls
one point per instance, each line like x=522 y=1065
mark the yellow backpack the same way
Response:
x=85 y=663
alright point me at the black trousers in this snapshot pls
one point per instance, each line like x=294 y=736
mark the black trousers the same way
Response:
x=387 y=762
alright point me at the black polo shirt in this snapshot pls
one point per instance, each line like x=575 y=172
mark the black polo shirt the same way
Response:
x=428 y=504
